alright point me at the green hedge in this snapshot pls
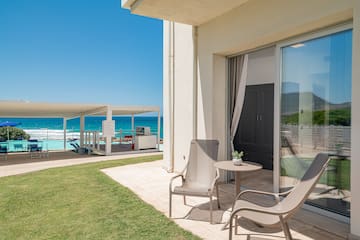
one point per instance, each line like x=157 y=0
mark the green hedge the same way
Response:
x=14 y=133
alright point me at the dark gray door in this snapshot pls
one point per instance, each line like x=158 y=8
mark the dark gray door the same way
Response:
x=255 y=131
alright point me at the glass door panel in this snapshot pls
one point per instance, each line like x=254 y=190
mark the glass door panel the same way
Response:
x=316 y=116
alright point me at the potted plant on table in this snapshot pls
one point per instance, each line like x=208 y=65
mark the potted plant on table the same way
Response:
x=237 y=157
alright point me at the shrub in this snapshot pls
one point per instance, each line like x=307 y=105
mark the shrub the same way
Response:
x=14 y=133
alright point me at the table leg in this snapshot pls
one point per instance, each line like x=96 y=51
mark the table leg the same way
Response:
x=237 y=183
x=237 y=191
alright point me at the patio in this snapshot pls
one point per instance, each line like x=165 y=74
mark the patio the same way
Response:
x=150 y=182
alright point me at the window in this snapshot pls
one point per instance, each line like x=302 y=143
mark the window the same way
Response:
x=316 y=116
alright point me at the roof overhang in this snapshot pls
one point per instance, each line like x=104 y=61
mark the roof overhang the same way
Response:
x=66 y=110
x=192 y=12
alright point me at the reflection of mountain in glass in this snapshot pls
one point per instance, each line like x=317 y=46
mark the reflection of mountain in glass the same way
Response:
x=323 y=112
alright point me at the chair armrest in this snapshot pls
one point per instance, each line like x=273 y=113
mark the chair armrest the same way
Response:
x=256 y=192
x=261 y=209
x=173 y=178
x=182 y=172
x=275 y=195
x=285 y=193
x=217 y=176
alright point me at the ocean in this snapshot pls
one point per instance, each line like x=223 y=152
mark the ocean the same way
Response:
x=51 y=129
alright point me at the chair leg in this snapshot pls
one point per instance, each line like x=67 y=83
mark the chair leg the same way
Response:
x=211 y=210
x=285 y=228
x=217 y=196
x=236 y=224
x=184 y=200
x=230 y=227
x=170 y=203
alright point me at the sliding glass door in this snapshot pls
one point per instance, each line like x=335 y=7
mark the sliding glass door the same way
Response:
x=316 y=115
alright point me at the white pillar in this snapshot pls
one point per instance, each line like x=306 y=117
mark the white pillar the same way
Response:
x=94 y=139
x=158 y=132
x=355 y=126
x=85 y=139
x=108 y=138
x=168 y=95
x=98 y=140
x=82 y=127
x=64 y=127
x=132 y=125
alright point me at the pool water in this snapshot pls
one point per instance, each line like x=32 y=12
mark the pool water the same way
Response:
x=22 y=145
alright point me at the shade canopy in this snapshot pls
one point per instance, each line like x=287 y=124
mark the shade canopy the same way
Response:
x=28 y=109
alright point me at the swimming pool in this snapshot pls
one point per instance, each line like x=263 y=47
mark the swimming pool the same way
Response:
x=22 y=145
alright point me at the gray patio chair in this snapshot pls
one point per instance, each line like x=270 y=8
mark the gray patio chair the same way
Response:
x=199 y=177
x=287 y=203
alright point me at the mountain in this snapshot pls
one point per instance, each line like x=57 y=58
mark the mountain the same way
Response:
x=290 y=103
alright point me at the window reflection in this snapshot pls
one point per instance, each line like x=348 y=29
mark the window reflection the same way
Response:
x=316 y=116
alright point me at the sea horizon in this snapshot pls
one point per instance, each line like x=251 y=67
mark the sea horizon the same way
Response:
x=52 y=128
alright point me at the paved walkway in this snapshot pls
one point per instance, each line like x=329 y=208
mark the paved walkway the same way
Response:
x=150 y=182
x=41 y=165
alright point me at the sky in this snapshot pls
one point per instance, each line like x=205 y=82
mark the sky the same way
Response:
x=322 y=66
x=79 y=51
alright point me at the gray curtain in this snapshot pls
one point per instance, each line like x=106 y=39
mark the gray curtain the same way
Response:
x=237 y=81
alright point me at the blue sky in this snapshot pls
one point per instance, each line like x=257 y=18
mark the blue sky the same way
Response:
x=79 y=51
x=322 y=66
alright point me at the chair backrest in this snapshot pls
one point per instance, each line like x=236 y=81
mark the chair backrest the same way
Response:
x=200 y=168
x=74 y=146
x=33 y=147
x=3 y=149
x=302 y=190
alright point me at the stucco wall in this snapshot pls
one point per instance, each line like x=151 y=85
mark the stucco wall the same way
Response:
x=259 y=23
x=255 y=24
x=184 y=77
x=167 y=158
x=262 y=67
x=180 y=102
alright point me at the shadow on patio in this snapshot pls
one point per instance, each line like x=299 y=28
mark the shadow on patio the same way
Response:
x=150 y=182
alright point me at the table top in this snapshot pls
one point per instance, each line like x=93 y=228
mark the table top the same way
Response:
x=244 y=167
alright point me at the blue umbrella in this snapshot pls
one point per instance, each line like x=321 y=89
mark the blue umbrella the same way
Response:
x=9 y=124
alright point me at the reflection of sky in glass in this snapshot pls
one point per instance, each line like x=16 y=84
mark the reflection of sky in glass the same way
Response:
x=321 y=66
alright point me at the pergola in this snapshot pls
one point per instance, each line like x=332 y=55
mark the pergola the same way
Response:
x=66 y=111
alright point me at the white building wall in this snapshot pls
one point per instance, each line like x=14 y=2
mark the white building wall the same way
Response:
x=261 y=67
x=220 y=105
x=178 y=101
x=255 y=24
x=184 y=104
x=241 y=30
x=167 y=102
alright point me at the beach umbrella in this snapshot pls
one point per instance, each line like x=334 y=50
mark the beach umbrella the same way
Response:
x=8 y=124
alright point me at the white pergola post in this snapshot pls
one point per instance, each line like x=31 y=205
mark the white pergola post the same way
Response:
x=64 y=127
x=158 y=132
x=82 y=127
x=132 y=125
x=94 y=139
x=98 y=140
x=108 y=138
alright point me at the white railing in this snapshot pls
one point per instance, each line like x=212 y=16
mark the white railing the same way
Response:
x=329 y=138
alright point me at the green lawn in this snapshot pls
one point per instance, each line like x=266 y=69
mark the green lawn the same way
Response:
x=79 y=202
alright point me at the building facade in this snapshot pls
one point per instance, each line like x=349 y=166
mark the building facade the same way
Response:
x=307 y=52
